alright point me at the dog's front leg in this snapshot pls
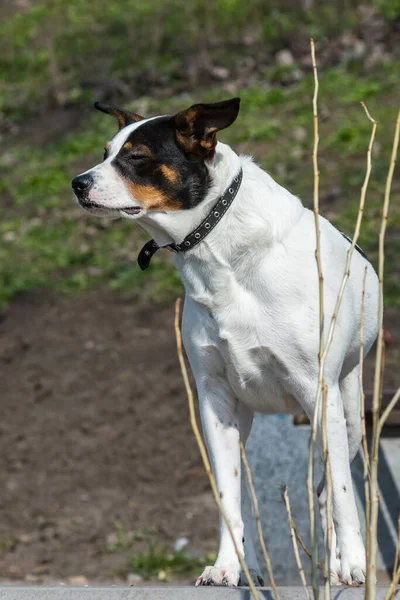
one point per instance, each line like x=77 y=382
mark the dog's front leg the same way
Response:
x=345 y=516
x=222 y=417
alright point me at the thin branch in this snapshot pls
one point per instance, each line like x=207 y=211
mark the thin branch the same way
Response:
x=286 y=500
x=202 y=447
x=396 y=571
x=371 y=558
x=314 y=424
x=389 y=409
x=362 y=410
x=349 y=255
x=302 y=544
x=329 y=491
x=324 y=349
x=355 y=238
x=258 y=521
x=396 y=556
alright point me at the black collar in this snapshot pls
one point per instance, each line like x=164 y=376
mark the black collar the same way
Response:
x=207 y=225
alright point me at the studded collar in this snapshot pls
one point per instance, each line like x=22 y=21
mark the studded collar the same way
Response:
x=207 y=225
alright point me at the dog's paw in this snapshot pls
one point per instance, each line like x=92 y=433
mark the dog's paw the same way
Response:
x=255 y=576
x=353 y=575
x=228 y=576
x=343 y=574
x=353 y=565
x=335 y=569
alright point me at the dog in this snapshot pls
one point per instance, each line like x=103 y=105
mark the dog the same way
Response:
x=245 y=250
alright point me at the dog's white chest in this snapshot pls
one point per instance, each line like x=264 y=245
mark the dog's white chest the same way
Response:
x=234 y=343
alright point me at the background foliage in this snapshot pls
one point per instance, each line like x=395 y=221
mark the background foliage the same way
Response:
x=57 y=57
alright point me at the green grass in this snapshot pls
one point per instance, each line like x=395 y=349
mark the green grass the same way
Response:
x=53 y=48
x=47 y=241
x=56 y=52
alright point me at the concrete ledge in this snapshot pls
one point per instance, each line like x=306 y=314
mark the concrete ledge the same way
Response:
x=171 y=593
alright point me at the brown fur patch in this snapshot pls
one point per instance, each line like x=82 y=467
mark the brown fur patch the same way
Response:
x=190 y=145
x=128 y=145
x=121 y=117
x=151 y=197
x=169 y=173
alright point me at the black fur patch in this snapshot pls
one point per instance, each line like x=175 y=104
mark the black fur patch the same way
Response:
x=152 y=160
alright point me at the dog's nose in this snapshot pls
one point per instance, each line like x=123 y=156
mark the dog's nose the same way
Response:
x=82 y=183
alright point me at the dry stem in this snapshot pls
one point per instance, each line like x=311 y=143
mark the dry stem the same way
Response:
x=351 y=249
x=202 y=448
x=354 y=241
x=302 y=544
x=314 y=425
x=389 y=409
x=328 y=483
x=376 y=429
x=362 y=410
x=324 y=349
x=396 y=570
x=286 y=500
x=258 y=521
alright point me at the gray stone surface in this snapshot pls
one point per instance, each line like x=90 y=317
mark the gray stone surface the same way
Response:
x=278 y=454
x=169 y=593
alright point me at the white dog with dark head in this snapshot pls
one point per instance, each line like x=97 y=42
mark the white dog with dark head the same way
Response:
x=251 y=314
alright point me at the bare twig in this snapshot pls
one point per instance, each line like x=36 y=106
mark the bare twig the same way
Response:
x=258 y=521
x=302 y=544
x=325 y=346
x=314 y=424
x=202 y=447
x=286 y=500
x=389 y=409
x=321 y=389
x=376 y=429
x=328 y=483
x=354 y=241
x=362 y=410
x=396 y=571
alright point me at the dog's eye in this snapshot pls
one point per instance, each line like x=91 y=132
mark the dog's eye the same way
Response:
x=137 y=157
x=105 y=154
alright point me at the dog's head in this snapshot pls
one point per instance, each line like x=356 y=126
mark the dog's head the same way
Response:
x=154 y=164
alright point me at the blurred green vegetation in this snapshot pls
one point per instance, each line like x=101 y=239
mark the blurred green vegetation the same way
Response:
x=57 y=53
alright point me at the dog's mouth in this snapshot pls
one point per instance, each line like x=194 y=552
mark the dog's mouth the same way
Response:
x=85 y=203
x=89 y=205
x=131 y=210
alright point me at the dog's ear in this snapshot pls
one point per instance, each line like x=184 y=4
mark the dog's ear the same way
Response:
x=196 y=127
x=123 y=116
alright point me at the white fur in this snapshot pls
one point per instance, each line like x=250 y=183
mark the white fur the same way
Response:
x=109 y=189
x=251 y=332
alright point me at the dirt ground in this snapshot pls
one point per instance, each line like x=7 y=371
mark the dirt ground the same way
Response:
x=95 y=436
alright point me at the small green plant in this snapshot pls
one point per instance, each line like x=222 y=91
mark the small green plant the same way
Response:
x=7 y=544
x=156 y=560
x=150 y=559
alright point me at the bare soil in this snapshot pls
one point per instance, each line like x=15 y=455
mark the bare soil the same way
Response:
x=95 y=436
